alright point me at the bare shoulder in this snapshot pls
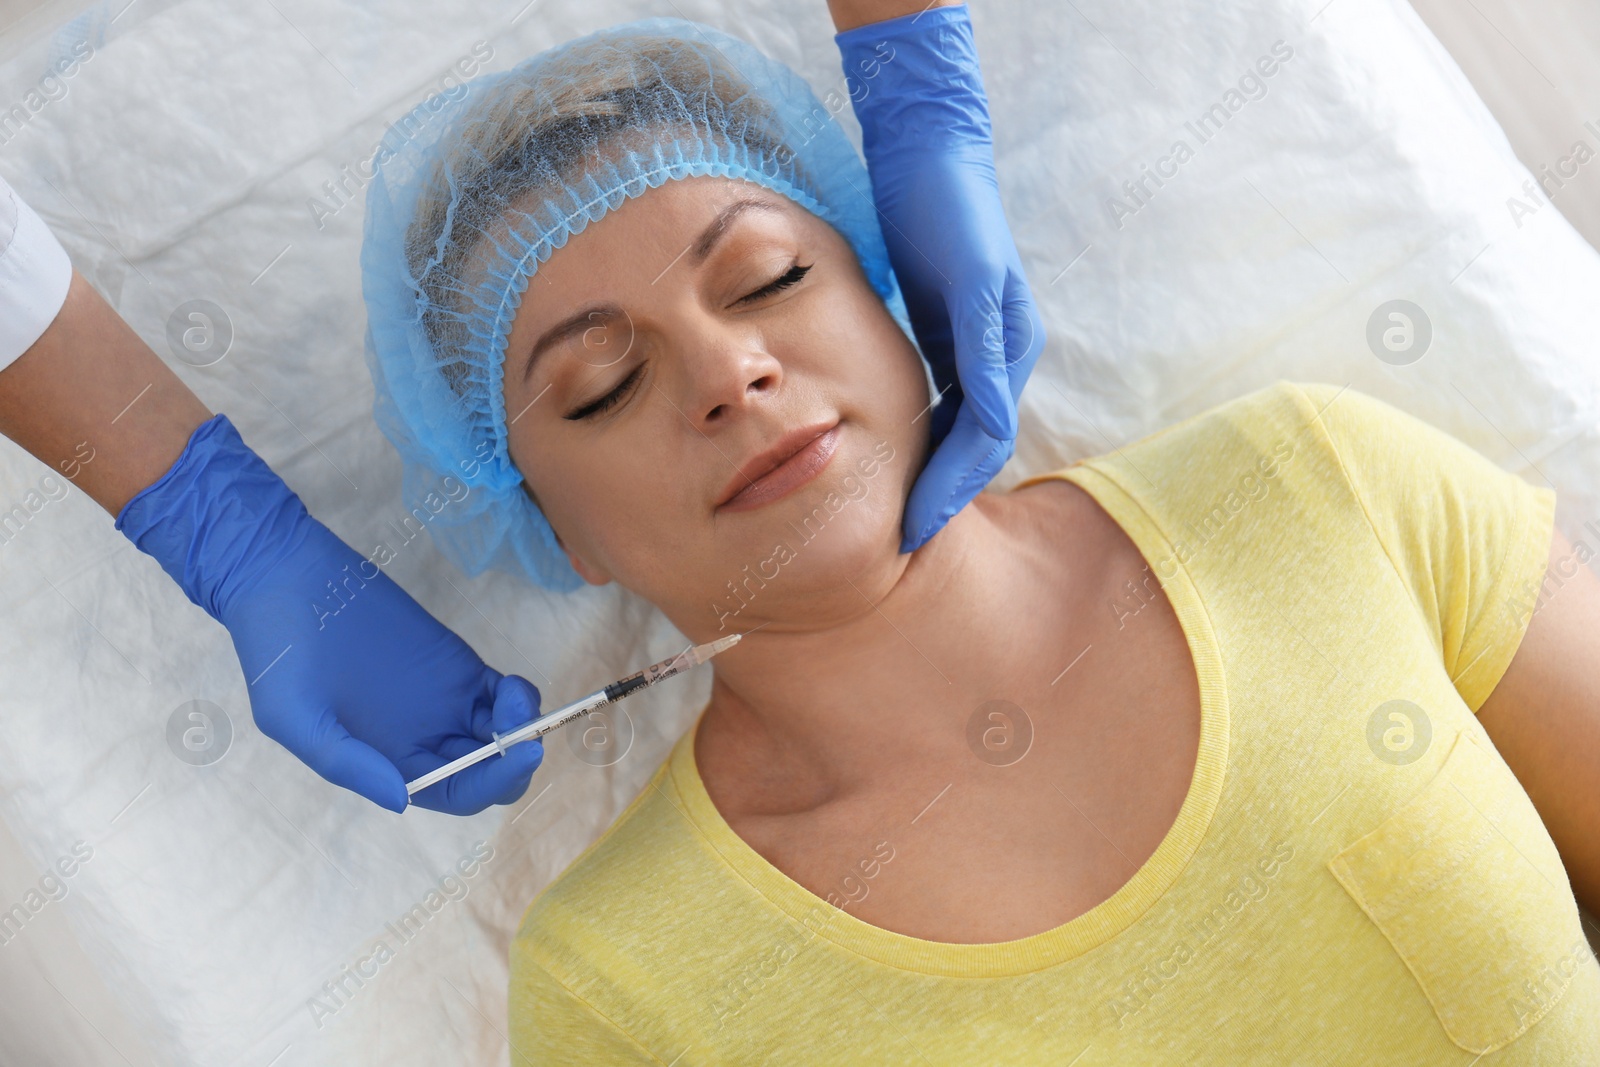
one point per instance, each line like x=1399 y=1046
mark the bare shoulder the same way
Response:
x=1056 y=514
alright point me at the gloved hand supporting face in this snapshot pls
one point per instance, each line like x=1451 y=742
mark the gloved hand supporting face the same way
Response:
x=916 y=89
x=344 y=668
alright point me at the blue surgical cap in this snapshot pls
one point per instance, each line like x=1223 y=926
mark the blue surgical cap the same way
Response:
x=478 y=186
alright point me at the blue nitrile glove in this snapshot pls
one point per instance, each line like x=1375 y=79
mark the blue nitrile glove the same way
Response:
x=344 y=669
x=917 y=91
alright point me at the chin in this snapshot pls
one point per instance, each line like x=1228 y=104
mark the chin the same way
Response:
x=813 y=541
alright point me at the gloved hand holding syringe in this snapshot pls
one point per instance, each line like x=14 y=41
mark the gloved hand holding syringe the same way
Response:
x=692 y=656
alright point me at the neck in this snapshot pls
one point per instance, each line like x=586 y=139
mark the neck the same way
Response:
x=885 y=672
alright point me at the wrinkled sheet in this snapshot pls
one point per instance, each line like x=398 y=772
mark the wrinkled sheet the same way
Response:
x=210 y=151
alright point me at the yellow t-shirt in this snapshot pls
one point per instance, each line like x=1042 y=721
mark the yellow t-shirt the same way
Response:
x=1355 y=876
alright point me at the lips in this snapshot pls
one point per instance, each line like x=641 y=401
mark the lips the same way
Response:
x=795 y=458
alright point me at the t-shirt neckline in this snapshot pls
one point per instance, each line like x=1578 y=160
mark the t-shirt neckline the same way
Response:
x=1078 y=935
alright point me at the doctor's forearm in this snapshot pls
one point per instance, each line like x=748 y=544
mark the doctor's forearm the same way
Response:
x=848 y=14
x=92 y=402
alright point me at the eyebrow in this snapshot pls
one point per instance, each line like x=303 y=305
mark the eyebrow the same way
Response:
x=719 y=225
x=697 y=252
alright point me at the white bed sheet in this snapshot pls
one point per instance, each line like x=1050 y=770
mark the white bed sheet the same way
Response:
x=181 y=163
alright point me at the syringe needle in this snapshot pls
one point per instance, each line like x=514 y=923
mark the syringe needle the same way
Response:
x=690 y=657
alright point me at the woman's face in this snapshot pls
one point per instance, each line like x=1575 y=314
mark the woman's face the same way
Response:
x=662 y=351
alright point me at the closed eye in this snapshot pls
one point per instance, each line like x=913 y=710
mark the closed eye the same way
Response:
x=610 y=400
x=789 y=277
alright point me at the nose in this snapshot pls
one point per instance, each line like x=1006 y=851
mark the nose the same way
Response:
x=729 y=370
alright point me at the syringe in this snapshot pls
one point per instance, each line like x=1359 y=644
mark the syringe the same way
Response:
x=692 y=656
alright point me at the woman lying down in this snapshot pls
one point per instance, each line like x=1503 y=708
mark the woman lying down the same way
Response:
x=1198 y=751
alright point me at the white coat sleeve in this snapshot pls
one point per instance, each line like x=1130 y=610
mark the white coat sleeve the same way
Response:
x=34 y=275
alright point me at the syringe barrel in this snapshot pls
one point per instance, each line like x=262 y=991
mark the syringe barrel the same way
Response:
x=544 y=724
